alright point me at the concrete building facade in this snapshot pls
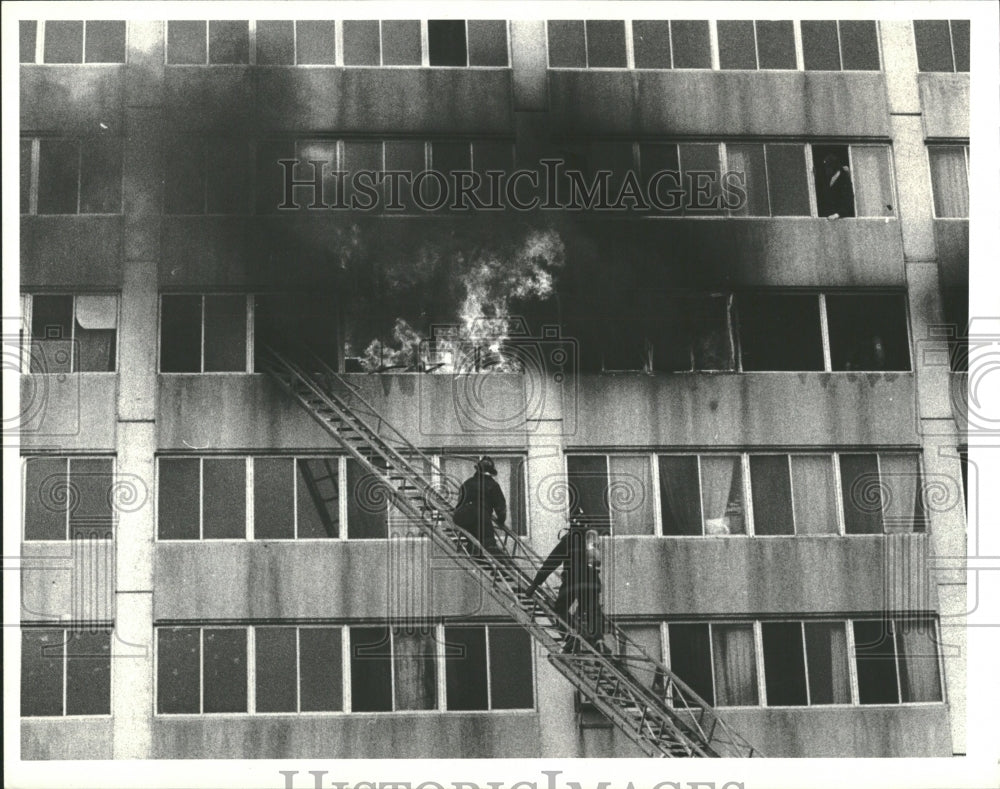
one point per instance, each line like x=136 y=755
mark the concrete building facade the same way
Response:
x=756 y=397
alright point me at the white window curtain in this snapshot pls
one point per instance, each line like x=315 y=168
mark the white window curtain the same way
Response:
x=748 y=160
x=872 y=181
x=722 y=501
x=919 y=677
x=413 y=658
x=814 y=494
x=826 y=655
x=900 y=478
x=735 y=664
x=949 y=181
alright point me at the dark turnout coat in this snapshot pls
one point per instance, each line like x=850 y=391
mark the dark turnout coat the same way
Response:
x=479 y=498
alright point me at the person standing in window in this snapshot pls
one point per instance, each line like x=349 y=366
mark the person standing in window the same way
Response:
x=834 y=193
x=479 y=498
x=579 y=597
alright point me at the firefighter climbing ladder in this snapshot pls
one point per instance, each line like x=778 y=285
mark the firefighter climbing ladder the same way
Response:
x=652 y=706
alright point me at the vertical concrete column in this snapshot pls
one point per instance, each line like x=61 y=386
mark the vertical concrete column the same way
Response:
x=132 y=649
x=936 y=424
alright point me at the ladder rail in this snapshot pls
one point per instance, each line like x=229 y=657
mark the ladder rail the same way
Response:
x=503 y=577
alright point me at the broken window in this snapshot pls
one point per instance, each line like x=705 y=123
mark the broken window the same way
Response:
x=201 y=670
x=784 y=664
x=68 y=498
x=298 y=669
x=446 y=45
x=511 y=471
x=701 y=495
x=73 y=333
x=587 y=476
x=767 y=341
x=203 y=334
x=848 y=45
x=65 y=672
x=942 y=44
x=201 y=498
x=834 y=191
x=950 y=180
x=868 y=332
x=691 y=333
x=502 y=681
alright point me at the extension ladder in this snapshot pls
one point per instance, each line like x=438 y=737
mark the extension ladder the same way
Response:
x=640 y=696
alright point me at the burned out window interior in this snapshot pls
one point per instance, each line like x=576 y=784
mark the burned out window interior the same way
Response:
x=868 y=332
x=765 y=340
x=446 y=42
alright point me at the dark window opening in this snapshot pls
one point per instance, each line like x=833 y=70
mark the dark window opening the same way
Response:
x=25 y=179
x=65 y=672
x=178 y=660
x=862 y=494
x=826 y=655
x=933 y=41
x=225 y=334
x=320 y=669
x=851 y=45
x=51 y=334
x=766 y=340
x=180 y=334
x=367 y=503
x=318 y=494
x=832 y=173
x=178 y=491
x=511 y=680
x=859 y=44
x=680 y=503
x=45 y=505
x=224 y=498
x=465 y=668
x=446 y=45
x=875 y=657
x=284 y=322
x=275 y=663
x=273 y=500
x=868 y=332
x=58 y=176
x=371 y=669
x=225 y=670
x=770 y=482
x=784 y=664
x=92 y=486
x=228 y=41
x=956 y=314
x=588 y=482
x=691 y=659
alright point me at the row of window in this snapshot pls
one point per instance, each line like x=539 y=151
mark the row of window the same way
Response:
x=331 y=497
x=800 y=663
x=828 y=45
x=761 y=179
x=292 y=669
x=743 y=332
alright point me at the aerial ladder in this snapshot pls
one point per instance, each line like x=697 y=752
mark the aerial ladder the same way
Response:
x=660 y=713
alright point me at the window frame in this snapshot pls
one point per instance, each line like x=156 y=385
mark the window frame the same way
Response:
x=80 y=141
x=39 y=58
x=249 y=327
x=950 y=145
x=69 y=471
x=440 y=669
x=88 y=627
x=27 y=313
x=749 y=517
x=850 y=656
